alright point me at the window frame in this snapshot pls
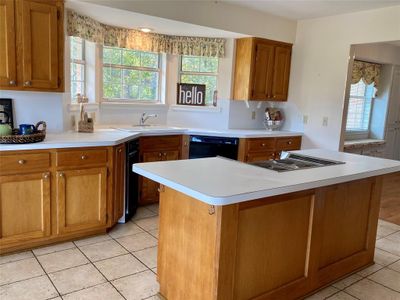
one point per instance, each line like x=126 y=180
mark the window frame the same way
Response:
x=359 y=133
x=127 y=100
x=181 y=72
x=79 y=62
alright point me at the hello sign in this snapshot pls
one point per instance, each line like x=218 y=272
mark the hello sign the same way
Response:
x=191 y=94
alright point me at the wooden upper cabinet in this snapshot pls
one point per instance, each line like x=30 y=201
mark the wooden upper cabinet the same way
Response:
x=262 y=69
x=7 y=42
x=33 y=37
x=39 y=45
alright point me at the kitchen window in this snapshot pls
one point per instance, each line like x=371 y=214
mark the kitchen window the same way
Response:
x=360 y=107
x=200 y=70
x=78 y=66
x=130 y=75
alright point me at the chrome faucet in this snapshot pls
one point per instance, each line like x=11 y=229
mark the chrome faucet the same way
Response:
x=145 y=117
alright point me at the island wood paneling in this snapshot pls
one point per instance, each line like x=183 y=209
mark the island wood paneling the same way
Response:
x=281 y=247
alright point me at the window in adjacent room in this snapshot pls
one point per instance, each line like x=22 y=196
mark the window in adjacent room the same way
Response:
x=77 y=52
x=130 y=75
x=200 y=70
x=360 y=107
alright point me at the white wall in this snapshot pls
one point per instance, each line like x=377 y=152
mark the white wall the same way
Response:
x=319 y=69
x=378 y=52
x=220 y=15
x=32 y=107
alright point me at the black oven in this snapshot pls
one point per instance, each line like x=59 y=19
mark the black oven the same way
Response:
x=211 y=146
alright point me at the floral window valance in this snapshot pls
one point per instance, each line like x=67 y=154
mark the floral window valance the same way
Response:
x=94 y=31
x=368 y=72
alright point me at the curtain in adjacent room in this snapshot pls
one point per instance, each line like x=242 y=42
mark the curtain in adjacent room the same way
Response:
x=368 y=72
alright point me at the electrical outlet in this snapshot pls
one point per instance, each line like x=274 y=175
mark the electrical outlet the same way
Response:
x=325 y=121
x=305 y=119
x=253 y=115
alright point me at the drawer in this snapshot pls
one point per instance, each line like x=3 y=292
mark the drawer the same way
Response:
x=252 y=157
x=160 y=142
x=261 y=144
x=16 y=163
x=81 y=157
x=289 y=143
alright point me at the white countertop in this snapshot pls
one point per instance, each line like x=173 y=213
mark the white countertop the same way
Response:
x=112 y=137
x=219 y=181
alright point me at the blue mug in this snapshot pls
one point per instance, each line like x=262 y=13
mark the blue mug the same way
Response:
x=25 y=129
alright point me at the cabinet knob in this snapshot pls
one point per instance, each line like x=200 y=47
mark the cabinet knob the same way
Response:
x=119 y=150
x=22 y=161
x=28 y=83
x=290 y=142
x=263 y=144
x=83 y=157
x=185 y=144
x=61 y=174
x=46 y=175
x=165 y=154
x=12 y=82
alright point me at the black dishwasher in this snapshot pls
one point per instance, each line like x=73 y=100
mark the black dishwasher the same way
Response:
x=211 y=146
x=131 y=179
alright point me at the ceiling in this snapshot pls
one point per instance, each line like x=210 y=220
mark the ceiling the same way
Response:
x=129 y=19
x=302 y=9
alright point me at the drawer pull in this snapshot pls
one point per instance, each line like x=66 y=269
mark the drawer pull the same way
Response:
x=83 y=157
x=263 y=144
x=290 y=142
x=22 y=161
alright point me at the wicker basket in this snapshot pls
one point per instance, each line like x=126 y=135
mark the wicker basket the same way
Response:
x=16 y=138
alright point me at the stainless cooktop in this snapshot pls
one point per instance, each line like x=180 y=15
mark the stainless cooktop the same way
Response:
x=291 y=162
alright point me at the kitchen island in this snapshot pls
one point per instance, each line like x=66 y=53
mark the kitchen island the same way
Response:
x=230 y=230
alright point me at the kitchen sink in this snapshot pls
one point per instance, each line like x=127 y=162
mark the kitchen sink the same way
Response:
x=291 y=162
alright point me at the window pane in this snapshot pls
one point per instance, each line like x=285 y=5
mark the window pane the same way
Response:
x=112 y=91
x=209 y=65
x=149 y=85
x=190 y=64
x=76 y=48
x=131 y=58
x=112 y=75
x=149 y=60
x=77 y=87
x=208 y=80
x=360 y=105
x=77 y=72
x=112 y=56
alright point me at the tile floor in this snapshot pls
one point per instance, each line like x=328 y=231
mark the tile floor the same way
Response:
x=122 y=265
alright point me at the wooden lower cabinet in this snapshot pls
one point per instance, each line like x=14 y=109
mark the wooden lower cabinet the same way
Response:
x=119 y=182
x=281 y=247
x=159 y=149
x=256 y=149
x=81 y=199
x=24 y=208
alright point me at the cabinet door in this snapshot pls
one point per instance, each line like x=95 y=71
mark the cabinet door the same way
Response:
x=280 y=81
x=149 y=188
x=252 y=157
x=119 y=182
x=24 y=207
x=262 y=76
x=39 y=45
x=81 y=199
x=7 y=42
x=170 y=155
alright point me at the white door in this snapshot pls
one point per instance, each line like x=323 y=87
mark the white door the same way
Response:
x=392 y=136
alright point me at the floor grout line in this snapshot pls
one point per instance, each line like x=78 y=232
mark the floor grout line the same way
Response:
x=47 y=275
